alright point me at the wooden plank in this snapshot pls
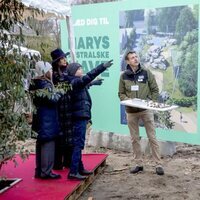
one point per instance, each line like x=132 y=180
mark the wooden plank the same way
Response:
x=86 y=183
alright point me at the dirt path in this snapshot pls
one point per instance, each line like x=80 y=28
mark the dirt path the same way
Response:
x=181 y=179
x=188 y=123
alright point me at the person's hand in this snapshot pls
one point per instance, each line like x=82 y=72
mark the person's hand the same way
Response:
x=108 y=64
x=56 y=96
x=97 y=82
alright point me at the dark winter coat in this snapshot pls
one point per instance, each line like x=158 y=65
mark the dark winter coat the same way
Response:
x=64 y=108
x=80 y=97
x=45 y=119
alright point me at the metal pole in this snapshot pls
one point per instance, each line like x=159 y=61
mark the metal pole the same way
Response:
x=174 y=85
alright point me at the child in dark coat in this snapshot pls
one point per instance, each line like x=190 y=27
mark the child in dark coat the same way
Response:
x=81 y=113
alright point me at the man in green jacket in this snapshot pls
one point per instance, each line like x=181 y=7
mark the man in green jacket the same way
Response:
x=138 y=82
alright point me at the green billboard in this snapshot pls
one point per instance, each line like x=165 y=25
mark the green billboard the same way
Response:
x=165 y=35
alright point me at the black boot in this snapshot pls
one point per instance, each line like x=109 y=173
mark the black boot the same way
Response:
x=76 y=177
x=51 y=176
x=85 y=172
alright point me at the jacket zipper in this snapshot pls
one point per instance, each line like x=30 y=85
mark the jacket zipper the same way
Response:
x=135 y=84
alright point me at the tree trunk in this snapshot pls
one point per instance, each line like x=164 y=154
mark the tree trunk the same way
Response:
x=71 y=37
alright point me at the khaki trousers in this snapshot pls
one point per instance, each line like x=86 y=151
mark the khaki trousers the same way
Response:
x=133 y=124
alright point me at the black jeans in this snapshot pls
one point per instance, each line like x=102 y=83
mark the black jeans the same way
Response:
x=63 y=153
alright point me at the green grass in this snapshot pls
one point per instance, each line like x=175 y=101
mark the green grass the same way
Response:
x=168 y=82
x=185 y=109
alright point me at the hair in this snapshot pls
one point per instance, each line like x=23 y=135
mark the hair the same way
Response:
x=129 y=52
x=55 y=66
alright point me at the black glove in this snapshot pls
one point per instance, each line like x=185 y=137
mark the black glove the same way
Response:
x=97 y=82
x=108 y=64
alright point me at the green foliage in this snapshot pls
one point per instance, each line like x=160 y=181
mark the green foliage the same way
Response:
x=166 y=16
x=163 y=120
x=132 y=16
x=185 y=23
x=188 y=42
x=60 y=88
x=47 y=36
x=11 y=13
x=43 y=44
x=131 y=38
x=185 y=102
x=189 y=64
x=13 y=71
x=63 y=87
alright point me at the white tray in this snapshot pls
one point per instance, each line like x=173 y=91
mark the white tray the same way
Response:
x=139 y=103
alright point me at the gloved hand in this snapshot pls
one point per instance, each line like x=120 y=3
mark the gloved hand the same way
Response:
x=97 y=82
x=108 y=64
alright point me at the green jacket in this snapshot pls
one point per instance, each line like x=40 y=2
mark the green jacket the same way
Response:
x=141 y=84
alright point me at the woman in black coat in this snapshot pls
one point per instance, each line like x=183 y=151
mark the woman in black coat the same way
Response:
x=63 y=145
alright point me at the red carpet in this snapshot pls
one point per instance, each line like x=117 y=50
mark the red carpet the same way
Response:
x=30 y=188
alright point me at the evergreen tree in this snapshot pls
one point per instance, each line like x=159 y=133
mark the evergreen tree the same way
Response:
x=185 y=23
x=167 y=18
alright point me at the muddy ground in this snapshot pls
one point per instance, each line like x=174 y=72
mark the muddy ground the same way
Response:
x=181 y=179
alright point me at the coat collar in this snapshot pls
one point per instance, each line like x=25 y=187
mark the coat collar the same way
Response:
x=129 y=70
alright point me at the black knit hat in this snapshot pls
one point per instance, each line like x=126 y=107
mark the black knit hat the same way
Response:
x=72 y=68
x=57 y=54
